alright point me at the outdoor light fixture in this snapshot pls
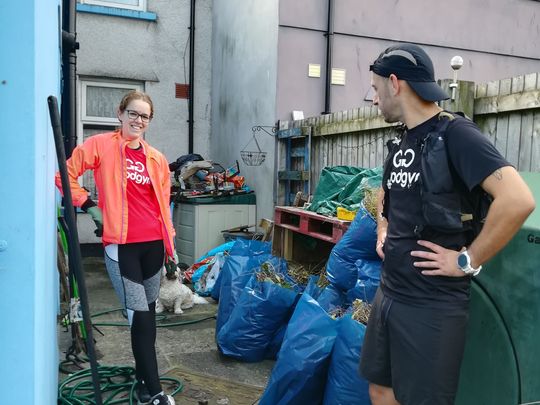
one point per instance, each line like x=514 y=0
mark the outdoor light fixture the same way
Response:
x=456 y=63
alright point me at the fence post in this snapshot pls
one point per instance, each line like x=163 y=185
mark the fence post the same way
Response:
x=464 y=100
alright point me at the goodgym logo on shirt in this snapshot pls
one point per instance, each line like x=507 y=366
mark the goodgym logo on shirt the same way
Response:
x=135 y=172
x=403 y=178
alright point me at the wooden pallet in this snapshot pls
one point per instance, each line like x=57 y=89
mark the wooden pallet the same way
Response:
x=305 y=236
x=329 y=229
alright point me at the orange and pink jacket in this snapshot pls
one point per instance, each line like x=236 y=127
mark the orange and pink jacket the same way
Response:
x=105 y=155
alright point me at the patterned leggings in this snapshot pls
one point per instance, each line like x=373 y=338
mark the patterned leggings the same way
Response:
x=134 y=270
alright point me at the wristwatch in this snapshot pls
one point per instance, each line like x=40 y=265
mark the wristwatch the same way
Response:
x=464 y=264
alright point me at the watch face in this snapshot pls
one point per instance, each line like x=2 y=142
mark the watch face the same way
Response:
x=463 y=260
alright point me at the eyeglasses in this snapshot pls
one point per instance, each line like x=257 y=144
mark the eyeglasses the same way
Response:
x=133 y=115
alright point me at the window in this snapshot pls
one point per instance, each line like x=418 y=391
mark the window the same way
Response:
x=99 y=101
x=129 y=4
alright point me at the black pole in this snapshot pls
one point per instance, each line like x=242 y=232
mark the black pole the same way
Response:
x=69 y=68
x=73 y=241
x=191 y=76
x=329 y=46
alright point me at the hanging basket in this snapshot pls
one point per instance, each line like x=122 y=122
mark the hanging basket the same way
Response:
x=253 y=158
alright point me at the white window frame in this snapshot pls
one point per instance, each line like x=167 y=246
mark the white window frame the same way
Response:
x=112 y=3
x=86 y=119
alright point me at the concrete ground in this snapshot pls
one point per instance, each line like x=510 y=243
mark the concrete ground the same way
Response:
x=187 y=351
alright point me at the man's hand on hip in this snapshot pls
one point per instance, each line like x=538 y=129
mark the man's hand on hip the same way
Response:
x=439 y=262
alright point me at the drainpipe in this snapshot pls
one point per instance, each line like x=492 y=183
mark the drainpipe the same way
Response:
x=191 y=76
x=69 y=78
x=329 y=44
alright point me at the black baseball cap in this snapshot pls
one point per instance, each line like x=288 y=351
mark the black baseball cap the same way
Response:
x=411 y=63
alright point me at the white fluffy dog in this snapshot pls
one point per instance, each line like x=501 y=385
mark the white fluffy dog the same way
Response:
x=174 y=295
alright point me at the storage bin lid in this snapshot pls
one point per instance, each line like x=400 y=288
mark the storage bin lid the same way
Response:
x=246 y=198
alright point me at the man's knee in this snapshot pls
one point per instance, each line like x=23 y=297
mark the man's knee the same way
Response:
x=381 y=395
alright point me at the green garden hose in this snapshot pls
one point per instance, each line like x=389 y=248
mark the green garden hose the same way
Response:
x=160 y=320
x=117 y=386
x=117 y=383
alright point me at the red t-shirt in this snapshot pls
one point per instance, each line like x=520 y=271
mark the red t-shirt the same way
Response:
x=144 y=219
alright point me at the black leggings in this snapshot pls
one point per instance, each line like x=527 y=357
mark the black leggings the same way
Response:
x=143 y=344
x=140 y=263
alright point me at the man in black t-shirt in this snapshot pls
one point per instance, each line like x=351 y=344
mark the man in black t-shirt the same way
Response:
x=416 y=333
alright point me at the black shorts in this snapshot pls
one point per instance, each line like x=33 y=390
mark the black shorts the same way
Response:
x=417 y=351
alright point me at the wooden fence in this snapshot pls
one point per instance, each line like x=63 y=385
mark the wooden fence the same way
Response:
x=508 y=111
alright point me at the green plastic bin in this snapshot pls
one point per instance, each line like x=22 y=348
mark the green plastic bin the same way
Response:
x=502 y=355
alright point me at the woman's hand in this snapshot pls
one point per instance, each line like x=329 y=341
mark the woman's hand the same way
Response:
x=97 y=217
x=171 y=263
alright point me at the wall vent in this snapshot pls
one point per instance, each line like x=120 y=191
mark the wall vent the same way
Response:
x=181 y=90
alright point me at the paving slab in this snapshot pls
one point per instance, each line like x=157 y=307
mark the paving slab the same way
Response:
x=202 y=388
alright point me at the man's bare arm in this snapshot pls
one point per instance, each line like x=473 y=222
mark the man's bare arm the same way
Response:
x=512 y=204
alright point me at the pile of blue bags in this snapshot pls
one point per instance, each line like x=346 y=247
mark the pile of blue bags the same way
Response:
x=252 y=314
x=317 y=355
x=318 y=361
x=354 y=266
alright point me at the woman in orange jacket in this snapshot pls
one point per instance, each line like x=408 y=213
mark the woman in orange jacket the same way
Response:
x=134 y=220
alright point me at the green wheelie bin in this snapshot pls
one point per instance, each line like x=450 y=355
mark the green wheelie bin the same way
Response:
x=501 y=365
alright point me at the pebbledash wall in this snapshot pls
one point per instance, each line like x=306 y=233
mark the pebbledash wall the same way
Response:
x=148 y=50
x=125 y=48
x=29 y=73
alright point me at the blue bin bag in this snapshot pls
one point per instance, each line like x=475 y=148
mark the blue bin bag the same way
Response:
x=331 y=298
x=299 y=375
x=244 y=258
x=217 y=285
x=247 y=247
x=369 y=277
x=238 y=250
x=359 y=242
x=196 y=276
x=344 y=385
x=262 y=308
x=312 y=288
x=204 y=280
x=219 y=249
x=275 y=344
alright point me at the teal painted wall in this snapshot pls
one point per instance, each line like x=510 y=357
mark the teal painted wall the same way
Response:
x=29 y=72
